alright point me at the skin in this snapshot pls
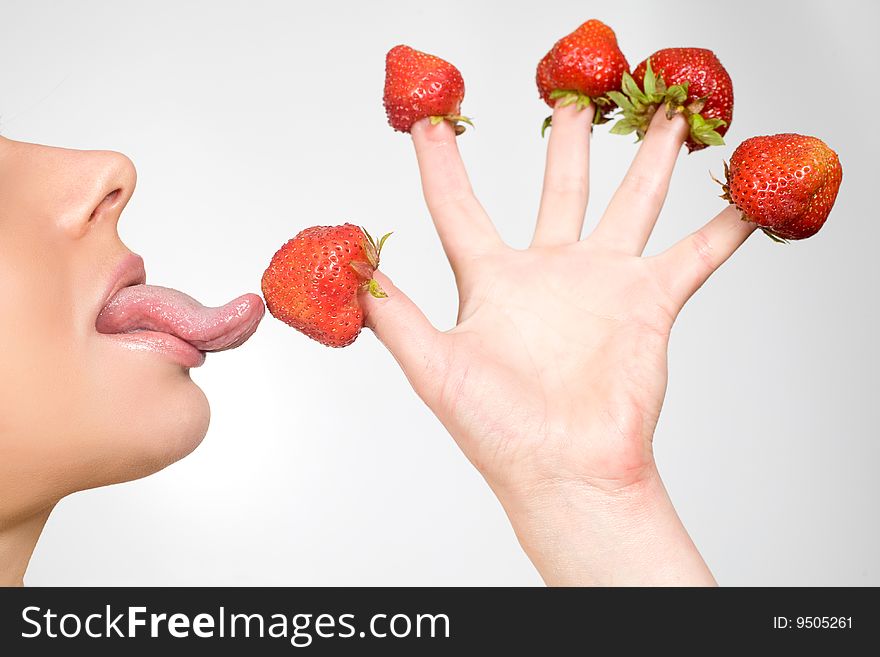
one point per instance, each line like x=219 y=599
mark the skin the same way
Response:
x=77 y=409
x=553 y=379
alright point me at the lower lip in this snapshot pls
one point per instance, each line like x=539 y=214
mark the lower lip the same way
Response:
x=165 y=344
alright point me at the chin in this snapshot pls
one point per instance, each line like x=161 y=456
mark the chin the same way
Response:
x=167 y=431
x=159 y=415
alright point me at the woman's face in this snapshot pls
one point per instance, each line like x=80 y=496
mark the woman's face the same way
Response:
x=79 y=408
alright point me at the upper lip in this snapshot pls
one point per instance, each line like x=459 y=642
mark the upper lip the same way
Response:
x=129 y=271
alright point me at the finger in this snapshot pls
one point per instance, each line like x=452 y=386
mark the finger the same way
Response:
x=685 y=266
x=629 y=219
x=405 y=332
x=464 y=228
x=566 y=178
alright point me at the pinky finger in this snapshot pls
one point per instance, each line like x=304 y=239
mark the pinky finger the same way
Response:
x=685 y=266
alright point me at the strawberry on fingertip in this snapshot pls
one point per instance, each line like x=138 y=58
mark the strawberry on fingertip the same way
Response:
x=581 y=68
x=687 y=81
x=420 y=86
x=786 y=184
x=313 y=282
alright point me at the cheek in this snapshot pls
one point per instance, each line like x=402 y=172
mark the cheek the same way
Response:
x=76 y=418
x=77 y=411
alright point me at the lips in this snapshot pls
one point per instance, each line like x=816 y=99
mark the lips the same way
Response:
x=165 y=320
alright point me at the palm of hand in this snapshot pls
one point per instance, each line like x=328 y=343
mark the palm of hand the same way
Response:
x=557 y=367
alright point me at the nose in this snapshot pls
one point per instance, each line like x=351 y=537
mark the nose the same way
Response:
x=102 y=183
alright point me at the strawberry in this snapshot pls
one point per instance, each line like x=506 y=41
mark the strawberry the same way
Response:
x=786 y=184
x=312 y=282
x=581 y=68
x=688 y=81
x=418 y=85
x=542 y=77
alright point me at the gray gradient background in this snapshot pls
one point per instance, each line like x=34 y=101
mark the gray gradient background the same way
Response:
x=249 y=121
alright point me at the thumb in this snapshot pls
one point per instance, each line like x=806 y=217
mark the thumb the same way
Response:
x=404 y=330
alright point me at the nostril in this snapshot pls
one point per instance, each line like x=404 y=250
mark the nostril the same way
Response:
x=105 y=204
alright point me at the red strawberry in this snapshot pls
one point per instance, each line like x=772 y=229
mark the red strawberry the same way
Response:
x=582 y=67
x=786 y=184
x=542 y=77
x=312 y=282
x=418 y=85
x=688 y=81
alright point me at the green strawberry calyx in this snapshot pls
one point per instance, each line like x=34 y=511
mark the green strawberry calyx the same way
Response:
x=455 y=119
x=725 y=194
x=638 y=107
x=571 y=97
x=365 y=270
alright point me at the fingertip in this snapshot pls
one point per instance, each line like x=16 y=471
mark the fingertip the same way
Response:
x=373 y=307
x=571 y=115
x=424 y=131
x=732 y=220
x=675 y=127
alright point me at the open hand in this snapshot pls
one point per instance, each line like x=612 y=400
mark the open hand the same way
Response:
x=553 y=379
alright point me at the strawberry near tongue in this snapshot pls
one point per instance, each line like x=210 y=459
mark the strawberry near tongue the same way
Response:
x=161 y=309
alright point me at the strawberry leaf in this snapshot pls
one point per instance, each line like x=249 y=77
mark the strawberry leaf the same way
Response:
x=624 y=127
x=773 y=236
x=677 y=94
x=376 y=289
x=369 y=237
x=697 y=105
x=363 y=270
x=703 y=131
x=630 y=88
x=599 y=118
x=725 y=188
x=382 y=242
x=621 y=100
x=661 y=87
x=567 y=95
x=455 y=118
x=568 y=99
x=546 y=124
x=650 y=81
x=711 y=138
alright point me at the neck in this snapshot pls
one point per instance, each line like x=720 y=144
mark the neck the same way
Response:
x=18 y=538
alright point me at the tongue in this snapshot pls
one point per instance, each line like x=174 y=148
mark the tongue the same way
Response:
x=152 y=308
